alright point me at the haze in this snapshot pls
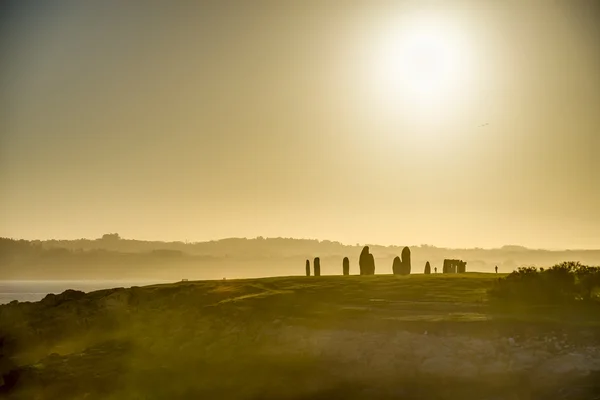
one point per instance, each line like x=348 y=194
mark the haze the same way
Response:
x=204 y=120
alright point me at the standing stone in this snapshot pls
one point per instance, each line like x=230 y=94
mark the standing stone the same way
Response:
x=366 y=262
x=406 y=267
x=317 y=266
x=307 y=268
x=371 y=264
x=346 y=266
x=427 y=268
x=363 y=260
x=397 y=266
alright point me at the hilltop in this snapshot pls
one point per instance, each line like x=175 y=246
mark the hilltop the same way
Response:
x=353 y=337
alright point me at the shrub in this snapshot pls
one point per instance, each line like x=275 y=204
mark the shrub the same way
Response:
x=588 y=281
x=564 y=282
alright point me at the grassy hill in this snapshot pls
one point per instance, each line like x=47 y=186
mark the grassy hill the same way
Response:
x=383 y=336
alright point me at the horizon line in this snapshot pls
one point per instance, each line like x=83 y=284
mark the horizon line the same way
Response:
x=186 y=242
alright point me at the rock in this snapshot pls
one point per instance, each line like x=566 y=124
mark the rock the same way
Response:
x=397 y=266
x=53 y=300
x=427 y=270
x=366 y=262
x=406 y=263
x=317 y=266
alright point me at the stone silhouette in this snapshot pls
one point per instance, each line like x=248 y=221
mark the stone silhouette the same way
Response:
x=397 y=266
x=366 y=262
x=317 y=266
x=454 y=267
x=346 y=266
x=53 y=300
x=427 y=268
x=362 y=260
x=307 y=268
x=406 y=267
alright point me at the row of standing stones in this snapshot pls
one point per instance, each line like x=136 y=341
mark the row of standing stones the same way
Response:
x=400 y=266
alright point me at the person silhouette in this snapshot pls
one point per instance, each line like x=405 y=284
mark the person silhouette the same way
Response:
x=496 y=269
x=435 y=270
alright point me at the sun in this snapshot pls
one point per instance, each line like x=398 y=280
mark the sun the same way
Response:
x=420 y=59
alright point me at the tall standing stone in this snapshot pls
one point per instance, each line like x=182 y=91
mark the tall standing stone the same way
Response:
x=363 y=260
x=346 y=266
x=366 y=262
x=317 y=266
x=406 y=267
x=307 y=268
x=371 y=264
x=427 y=268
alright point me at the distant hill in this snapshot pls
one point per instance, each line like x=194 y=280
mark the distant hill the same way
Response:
x=112 y=257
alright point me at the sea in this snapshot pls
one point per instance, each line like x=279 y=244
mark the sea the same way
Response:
x=37 y=290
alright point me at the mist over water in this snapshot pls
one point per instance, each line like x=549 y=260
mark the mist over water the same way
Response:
x=36 y=290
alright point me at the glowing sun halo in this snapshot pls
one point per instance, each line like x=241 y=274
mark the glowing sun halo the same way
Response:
x=421 y=59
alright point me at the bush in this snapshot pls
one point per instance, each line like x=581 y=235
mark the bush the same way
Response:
x=588 y=280
x=563 y=282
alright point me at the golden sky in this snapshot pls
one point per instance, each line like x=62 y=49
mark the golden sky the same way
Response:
x=455 y=123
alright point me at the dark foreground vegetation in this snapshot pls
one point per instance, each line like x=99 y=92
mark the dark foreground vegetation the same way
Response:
x=563 y=283
x=351 y=337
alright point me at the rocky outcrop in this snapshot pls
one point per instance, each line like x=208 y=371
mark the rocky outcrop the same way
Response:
x=53 y=300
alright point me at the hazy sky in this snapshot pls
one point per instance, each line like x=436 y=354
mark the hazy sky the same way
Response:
x=178 y=120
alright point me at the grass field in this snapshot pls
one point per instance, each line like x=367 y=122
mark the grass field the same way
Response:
x=285 y=337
